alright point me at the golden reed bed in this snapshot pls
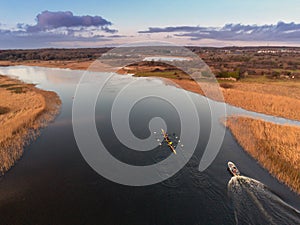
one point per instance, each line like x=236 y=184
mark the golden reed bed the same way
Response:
x=278 y=99
x=275 y=147
x=24 y=109
x=274 y=98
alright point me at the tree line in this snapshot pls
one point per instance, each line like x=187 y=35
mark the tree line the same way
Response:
x=52 y=54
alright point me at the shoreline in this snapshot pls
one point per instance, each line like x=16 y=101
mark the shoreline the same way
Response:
x=24 y=110
x=69 y=64
x=275 y=98
x=274 y=146
x=271 y=97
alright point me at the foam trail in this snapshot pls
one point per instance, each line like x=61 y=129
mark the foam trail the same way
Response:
x=254 y=203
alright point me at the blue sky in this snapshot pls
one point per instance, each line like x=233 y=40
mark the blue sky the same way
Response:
x=129 y=18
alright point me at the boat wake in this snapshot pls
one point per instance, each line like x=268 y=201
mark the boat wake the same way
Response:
x=254 y=203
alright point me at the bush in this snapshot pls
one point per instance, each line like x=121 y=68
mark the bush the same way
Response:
x=226 y=85
x=3 y=110
x=227 y=74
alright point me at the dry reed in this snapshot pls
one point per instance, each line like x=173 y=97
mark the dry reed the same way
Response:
x=29 y=110
x=275 y=147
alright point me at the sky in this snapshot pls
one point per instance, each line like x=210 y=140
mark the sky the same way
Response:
x=96 y=23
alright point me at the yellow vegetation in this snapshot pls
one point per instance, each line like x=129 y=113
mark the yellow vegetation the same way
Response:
x=26 y=109
x=274 y=98
x=277 y=99
x=276 y=147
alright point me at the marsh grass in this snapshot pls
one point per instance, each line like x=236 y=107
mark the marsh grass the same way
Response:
x=275 y=147
x=259 y=94
x=269 y=104
x=26 y=112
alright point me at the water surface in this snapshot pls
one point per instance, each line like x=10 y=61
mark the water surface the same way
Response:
x=53 y=184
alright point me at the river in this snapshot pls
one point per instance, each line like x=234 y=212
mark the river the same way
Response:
x=53 y=183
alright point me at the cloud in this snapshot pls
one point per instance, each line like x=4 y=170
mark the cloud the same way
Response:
x=173 y=29
x=51 y=20
x=53 y=28
x=285 y=32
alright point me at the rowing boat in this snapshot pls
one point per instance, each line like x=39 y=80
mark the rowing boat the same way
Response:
x=169 y=142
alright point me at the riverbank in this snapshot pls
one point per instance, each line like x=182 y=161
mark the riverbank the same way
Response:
x=275 y=147
x=65 y=64
x=276 y=98
x=272 y=97
x=24 y=110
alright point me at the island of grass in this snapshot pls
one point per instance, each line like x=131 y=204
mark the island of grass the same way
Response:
x=24 y=110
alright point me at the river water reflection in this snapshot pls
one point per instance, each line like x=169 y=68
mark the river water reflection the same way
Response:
x=53 y=184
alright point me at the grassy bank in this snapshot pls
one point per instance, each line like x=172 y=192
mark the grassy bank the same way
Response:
x=24 y=109
x=277 y=99
x=71 y=64
x=275 y=147
x=272 y=98
x=259 y=94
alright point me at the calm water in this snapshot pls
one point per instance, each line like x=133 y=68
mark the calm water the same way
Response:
x=53 y=184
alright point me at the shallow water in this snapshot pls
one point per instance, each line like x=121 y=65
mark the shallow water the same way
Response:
x=53 y=184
